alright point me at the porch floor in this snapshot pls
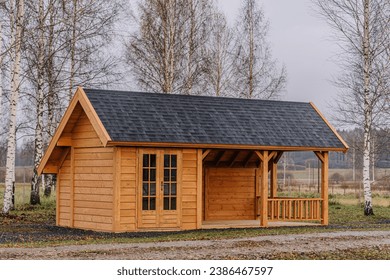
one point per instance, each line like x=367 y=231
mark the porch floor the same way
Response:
x=252 y=224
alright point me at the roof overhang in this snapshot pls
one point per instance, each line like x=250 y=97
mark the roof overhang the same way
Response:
x=59 y=143
x=224 y=146
x=346 y=147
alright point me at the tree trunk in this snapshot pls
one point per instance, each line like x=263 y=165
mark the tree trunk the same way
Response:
x=51 y=123
x=38 y=147
x=15 y=87
x=49 y=181
x=367 y=68
x=1 y=66
x=251 y=20
x=191 y=49
x=73 y=50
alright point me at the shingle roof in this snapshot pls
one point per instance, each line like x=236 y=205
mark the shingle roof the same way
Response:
x=168 y=118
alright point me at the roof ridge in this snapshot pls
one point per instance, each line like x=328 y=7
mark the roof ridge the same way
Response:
x=193 y=96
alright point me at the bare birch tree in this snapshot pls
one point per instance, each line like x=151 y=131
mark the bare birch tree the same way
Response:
x=65 y=48
x=16 y=19
x=257 y=75
x=89 y=30
x=362 y=31
x=167 y=52
x=199 y=26
x=40 y=100
x=154 y=50
x=219 y=70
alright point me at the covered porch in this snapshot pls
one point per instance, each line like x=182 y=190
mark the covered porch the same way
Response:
x=240 y=189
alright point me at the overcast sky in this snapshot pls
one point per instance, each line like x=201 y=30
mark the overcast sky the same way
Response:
x=301 y=41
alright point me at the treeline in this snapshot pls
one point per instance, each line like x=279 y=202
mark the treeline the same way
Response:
x=49 y=47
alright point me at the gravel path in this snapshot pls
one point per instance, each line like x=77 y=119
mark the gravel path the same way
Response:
x=261 y=247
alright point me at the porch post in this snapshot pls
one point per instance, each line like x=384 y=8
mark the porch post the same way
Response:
x=324 y=189
x=264 y=190
x=274 y=172
x=199 y=187
x=324 y=158
x=274 y=178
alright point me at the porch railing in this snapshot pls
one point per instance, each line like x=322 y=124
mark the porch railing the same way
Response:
x=284 y=209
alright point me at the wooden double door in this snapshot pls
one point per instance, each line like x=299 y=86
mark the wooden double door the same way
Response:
x=159 y=188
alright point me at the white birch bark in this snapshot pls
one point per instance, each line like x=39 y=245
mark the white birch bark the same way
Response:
x=51 y=123
x=38 y=147
x=1 y=65
x=15 y=87
x=367 y=68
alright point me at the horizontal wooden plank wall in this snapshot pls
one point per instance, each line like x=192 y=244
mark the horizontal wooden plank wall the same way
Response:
x=63 y=194
x=128 y=189
x=84 y=135
x=189 y=189
x=230 y=194
x=91 y=193
x=93 y=188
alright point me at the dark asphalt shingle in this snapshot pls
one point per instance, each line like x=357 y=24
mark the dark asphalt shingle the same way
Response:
x=154 y=117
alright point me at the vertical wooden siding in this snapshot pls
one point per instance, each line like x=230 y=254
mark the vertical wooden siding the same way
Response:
x=128 y=188
x=189 y=189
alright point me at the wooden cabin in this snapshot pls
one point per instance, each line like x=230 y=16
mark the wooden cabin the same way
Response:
x=131 y=161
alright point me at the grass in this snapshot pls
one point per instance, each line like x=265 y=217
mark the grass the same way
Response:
x=345 y=213
x=22 y=195
x=353 y=199
x=342 y=217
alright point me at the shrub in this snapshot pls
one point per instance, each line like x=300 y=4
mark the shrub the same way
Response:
x=337 y=177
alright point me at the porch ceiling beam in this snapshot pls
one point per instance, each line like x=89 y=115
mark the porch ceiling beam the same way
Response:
x=248 y=158
x=234 y=158
x=205 y=153
x=218 y=158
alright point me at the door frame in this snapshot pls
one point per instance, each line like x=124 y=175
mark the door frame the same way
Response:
x=159 y=213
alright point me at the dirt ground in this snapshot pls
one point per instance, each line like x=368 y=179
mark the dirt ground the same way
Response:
x=300 y=246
